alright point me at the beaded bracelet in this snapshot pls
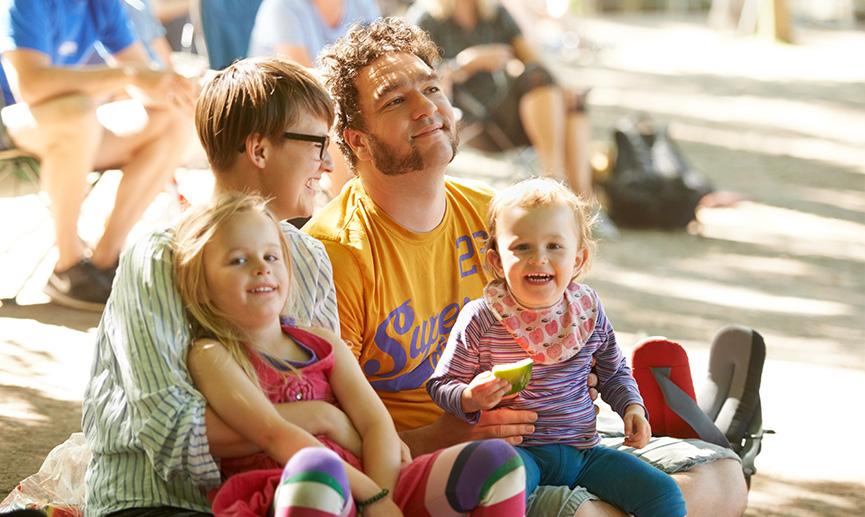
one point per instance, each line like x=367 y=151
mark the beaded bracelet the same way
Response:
x=360 y=505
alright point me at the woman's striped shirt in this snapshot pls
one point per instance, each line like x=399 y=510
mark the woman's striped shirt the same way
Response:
x=143 y=418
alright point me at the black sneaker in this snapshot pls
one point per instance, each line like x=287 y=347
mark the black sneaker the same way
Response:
x=82 y=286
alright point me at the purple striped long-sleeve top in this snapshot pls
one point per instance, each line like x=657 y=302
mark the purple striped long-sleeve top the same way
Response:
x=558 y=393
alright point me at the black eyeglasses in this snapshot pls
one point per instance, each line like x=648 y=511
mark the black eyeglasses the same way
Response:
x=322 y=141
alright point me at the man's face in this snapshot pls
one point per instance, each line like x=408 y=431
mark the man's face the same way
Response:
x=409 y=121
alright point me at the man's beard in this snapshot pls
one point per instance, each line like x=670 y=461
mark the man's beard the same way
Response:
x=390 y=163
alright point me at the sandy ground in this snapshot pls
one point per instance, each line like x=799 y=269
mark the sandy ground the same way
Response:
x=782 y=125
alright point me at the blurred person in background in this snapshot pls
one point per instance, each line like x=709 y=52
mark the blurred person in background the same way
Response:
x=149 y=30
x=497 y=75
x=55 y=108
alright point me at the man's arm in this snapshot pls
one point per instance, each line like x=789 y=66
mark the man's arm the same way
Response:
x=508 y=424
x=349 y=293
x=34 y=79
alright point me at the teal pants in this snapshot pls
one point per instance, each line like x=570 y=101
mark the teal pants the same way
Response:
x=618 y=478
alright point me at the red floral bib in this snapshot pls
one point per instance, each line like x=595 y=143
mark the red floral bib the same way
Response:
x=550 y=335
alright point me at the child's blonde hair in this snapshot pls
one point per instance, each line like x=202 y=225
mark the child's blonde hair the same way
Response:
x=537 y=192
x=191 y=236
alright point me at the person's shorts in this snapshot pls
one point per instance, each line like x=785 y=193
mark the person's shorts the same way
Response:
x=505 y=114
x=671 y=455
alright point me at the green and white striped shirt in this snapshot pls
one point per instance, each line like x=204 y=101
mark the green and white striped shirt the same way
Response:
x=143 y=418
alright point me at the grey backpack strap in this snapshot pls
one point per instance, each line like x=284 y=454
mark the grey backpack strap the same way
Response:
x=687 y=409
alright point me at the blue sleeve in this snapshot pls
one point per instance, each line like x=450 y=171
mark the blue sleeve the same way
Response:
x=115 y=31
x=24 y=24
x=369 y=11
x=143 y=21
x=280 y=22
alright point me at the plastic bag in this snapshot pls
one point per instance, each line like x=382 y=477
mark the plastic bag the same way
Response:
x=59 y=484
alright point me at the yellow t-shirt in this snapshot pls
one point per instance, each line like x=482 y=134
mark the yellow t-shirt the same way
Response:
x=399 y=292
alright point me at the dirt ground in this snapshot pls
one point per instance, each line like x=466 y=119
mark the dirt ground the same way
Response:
x=782 y=125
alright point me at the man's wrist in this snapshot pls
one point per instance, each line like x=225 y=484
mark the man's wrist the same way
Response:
x=432 y=437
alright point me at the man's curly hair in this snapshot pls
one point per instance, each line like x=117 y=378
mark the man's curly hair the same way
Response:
x=343 y=61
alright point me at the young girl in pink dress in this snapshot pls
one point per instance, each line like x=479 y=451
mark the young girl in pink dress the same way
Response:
x=251 y=366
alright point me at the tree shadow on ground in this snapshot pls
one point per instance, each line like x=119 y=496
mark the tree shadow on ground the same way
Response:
x=828 y=94
x=781 y=498
x=26 y=441
x=51 y=314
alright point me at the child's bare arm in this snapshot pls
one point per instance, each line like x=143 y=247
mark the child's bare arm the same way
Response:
x=316 y=417
x=241 y=405
x=381 y=444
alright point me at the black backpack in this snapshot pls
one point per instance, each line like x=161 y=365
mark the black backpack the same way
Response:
x=651 y=185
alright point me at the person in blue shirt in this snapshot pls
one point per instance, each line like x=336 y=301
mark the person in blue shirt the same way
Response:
x=57 y=109
x=299 y=30
x=149 y=30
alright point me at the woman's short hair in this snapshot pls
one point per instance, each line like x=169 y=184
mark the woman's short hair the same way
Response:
x=255 y=96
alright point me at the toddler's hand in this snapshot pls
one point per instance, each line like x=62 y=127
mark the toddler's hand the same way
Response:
x=484 y=392
x=637 y=428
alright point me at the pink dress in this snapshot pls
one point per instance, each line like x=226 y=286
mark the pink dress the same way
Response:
x=313 y=384
x=252 y=480
x=420 y=489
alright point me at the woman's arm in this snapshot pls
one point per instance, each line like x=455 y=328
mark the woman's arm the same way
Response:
x=241 y=405
x=381 y=445
x=316 y=417
x=524 y=51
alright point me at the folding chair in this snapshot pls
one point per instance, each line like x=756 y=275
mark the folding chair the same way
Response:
x=479 y=130
x=19 y=165
x=15 y=162
x=476 y=120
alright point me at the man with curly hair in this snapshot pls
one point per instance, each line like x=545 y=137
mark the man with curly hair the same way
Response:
x=406 y=243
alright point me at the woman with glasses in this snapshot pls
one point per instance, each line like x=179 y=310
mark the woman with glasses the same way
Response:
x=263 y=124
